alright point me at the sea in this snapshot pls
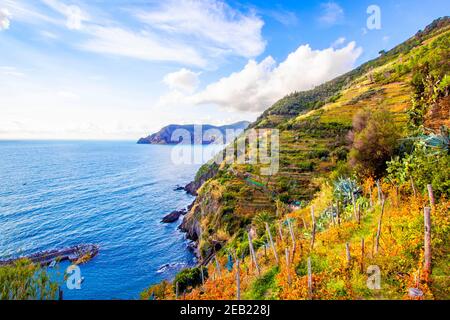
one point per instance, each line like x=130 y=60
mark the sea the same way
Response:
x=57 y=194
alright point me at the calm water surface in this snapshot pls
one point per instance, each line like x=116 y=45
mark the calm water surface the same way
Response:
x=59 y=194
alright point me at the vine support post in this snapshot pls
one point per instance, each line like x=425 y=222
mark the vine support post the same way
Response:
x=427 y=240
x=354 y=207
x=377 y=239
x=313 y=230
x=203 y=277
x=310 y=284
x=413 y=187
x=272 y=243
x=348 y=255
x=431 y=195
x=238 y=280
x=219 y=273
x=287 y=266
x=379 y=192
x=280 y=231
x=252 y=251
x=362 y=255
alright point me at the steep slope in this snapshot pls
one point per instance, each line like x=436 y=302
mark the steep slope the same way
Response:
x=313 y=128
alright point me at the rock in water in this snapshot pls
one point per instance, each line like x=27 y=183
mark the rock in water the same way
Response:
x=173 y=216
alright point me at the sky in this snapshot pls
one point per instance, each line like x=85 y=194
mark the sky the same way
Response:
x=122 y=69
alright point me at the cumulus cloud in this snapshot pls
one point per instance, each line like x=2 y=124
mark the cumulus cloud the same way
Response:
x=258 y=85
x=222 y=28
x=183 y=80
x=332 y=13
x=5 y=17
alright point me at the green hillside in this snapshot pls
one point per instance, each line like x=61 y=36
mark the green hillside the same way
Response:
x=385 y=120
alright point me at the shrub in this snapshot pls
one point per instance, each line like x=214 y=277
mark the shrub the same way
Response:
x=189 y=278
x=26 y=281
x=374 y=140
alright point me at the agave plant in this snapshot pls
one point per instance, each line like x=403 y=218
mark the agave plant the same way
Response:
x=437 y=142
x=344 y=188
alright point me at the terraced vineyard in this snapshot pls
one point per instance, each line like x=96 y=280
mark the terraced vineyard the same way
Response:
x=388 y=119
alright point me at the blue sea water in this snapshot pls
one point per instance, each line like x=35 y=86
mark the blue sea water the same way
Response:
x=62 y=193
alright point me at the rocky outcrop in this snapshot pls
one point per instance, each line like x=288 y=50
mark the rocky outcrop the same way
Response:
x=204 y=210
x=205 y=173
x=173 y=216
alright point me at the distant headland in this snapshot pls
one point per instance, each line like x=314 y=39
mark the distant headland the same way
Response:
x=168 y=134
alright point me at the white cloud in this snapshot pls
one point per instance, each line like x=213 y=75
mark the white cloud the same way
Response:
x=258 y=85
x=143 y=45
x=339 y=42
x=332 y=13
x=48 y=35
x=10 y=71
x=5 y=17
x=285 y=17
x=67 y=94
x=196 y=33
x=183 y=80
x=212 y=24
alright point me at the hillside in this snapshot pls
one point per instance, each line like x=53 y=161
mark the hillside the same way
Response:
x=165 y=135
x=385 y=121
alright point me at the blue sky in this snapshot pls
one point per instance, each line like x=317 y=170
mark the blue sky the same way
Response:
x=117 y=69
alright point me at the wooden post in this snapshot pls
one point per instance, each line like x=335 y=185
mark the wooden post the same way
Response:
x=313 y=230
x=310 y=290
x=338 y=213
x=427 y=240
x=413 y=187
x=291 y=231
x=219 y=273
x=252 y=251
x=280 y=232
x=287 y=266
x=362 y=255
x=377 y=240
x=379 y=191
x=238 y=280
x=354 y=207
x=431 y=195
x=176 y=290
x=203 y=276
x=359 y=213
x=304 y=222
x=271 y=243
x=347 y=250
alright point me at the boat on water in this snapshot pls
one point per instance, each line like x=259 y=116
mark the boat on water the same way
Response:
x=77 y=254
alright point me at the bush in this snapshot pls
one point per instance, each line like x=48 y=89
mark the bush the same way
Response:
x=189 y=278
x=26 y=281
x=374 y=138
